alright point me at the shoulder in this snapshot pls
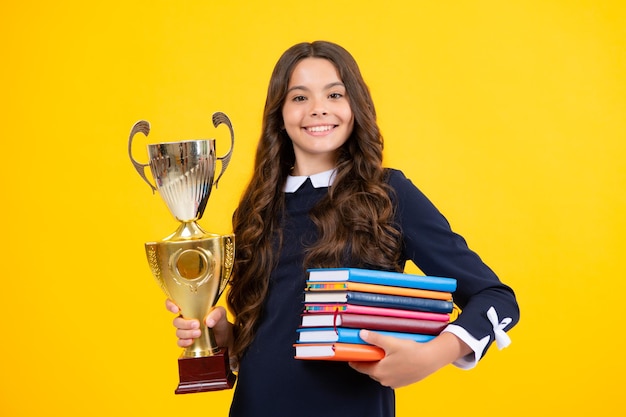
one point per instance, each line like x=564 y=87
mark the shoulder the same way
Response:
x=395 y=177
x=408 y=196
x=399 y=182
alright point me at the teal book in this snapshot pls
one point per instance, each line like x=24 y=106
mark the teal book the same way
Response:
x=373 y=276
x=348 y=335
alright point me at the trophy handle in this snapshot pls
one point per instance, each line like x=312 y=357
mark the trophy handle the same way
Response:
x=218 y=119
x=143 y=127
x=228 y=242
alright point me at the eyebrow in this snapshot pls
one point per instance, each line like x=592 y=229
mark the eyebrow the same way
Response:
x=326 y=87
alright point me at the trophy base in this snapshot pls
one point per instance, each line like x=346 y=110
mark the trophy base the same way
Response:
x=207 y=373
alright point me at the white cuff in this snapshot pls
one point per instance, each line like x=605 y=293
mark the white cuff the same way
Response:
x=478 y=346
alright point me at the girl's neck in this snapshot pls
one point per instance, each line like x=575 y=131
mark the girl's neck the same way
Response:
x=311 y=168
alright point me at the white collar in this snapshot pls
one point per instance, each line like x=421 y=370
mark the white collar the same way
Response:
x=319 y=180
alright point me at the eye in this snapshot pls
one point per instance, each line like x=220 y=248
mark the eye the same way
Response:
x=335 y=96
x=298 y=99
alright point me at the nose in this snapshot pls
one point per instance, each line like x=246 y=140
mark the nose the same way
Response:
x=318 y=108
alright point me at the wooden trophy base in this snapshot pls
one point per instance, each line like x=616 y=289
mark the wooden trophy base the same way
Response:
x=207 y=373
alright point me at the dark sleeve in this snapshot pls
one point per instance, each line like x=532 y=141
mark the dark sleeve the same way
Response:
x=431 y=244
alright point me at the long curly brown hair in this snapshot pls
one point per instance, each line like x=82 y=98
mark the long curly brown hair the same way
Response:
x=355 y=220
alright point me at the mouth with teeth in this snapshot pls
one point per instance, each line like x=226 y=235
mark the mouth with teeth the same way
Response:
x=320 y=129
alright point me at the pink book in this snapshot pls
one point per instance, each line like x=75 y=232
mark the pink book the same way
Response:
x=375 y=311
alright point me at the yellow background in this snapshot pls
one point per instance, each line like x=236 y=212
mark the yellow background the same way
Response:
x=511 y=117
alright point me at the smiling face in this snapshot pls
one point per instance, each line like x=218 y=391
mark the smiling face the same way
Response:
x=316 y=115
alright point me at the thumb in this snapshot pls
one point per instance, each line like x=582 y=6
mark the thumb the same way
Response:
x=376 y=339
x=215 y=316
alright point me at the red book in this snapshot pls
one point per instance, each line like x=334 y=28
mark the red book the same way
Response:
x=371 y=322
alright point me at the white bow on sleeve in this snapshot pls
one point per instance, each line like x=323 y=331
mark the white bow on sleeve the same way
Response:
x=502 y=339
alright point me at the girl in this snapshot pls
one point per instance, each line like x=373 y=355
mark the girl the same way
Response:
x=319 y=197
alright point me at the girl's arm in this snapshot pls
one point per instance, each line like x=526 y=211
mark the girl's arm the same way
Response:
x=406 y=361
x=488 y=306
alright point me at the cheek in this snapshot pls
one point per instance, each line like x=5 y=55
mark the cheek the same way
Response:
x=347 y=114
x=290 y=115
x=350 y=121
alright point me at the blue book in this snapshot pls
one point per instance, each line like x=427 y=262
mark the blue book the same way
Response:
x=348 y=335
x=372 y=276
x=379 y=300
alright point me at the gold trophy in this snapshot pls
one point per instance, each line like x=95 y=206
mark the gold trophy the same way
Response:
x=191 y=265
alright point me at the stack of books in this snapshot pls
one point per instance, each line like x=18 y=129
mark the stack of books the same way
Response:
x=339 y=302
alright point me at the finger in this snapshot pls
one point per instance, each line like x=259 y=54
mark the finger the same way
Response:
x=185 y=324
x=368 y=368
x=385 y=342
x=171 y=307
x=377 y=339
x=186 y=330
x=183 y=343
x=215 y=316
x=362 y=367
x=182 y=334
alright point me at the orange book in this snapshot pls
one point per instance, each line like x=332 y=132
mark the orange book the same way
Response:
x=347 y=352
x=375 y=288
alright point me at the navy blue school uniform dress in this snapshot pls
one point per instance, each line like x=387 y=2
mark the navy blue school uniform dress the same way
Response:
x=271 y=383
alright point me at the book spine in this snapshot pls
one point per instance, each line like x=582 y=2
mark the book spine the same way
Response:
x=371 y=276
x=376 y=288
x=396 y=301
x=391 y=324
x=313 y=308
x=340 y=352
x=393 y=312
x=352 y=336
x=403 y=280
